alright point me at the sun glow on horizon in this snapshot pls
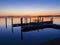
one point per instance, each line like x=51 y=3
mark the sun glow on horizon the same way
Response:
x=30 y=8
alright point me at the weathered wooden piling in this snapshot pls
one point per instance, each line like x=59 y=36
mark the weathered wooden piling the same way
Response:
x=21 y=28
x=6 y=21
x=12 y=23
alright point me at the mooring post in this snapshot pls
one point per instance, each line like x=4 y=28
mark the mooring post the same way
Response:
x=12 y=23
x=6 y=21
x=21 y=28
x=21 y=21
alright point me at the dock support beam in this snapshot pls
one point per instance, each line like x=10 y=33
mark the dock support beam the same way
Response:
x=21 y=29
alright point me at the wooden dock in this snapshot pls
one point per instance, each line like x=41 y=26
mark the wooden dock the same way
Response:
x=40 y=24
x=36 y=25
x=32 y=23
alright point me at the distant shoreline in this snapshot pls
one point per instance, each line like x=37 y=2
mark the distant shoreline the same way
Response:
x=33 y=16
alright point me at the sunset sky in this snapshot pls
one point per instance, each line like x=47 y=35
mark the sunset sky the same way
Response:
x=29 y=7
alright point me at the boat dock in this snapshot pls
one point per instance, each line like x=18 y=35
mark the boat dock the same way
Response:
x=38 y=24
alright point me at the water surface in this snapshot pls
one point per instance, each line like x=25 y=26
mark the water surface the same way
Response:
x=7 y=37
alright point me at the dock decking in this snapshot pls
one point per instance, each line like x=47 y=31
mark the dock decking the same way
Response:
x=40 y=24
x=32 y=23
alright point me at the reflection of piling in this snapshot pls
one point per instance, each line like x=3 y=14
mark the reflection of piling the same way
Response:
x=30 y=19
x=42 y=19
x=12 y=23
x=21 y=29
x=38 y=19
x=26 y=20
x=6 y=22
x=52 y=19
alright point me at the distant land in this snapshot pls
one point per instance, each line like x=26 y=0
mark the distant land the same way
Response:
x=34 y=16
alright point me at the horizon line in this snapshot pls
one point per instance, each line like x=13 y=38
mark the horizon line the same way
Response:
x=33 y=16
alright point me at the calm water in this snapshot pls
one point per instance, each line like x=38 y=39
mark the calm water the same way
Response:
x=7 y=37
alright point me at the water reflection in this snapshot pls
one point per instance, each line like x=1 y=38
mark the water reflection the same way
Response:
x=7 y=37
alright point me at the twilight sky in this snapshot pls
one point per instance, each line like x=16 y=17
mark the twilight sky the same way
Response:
x=29 y=7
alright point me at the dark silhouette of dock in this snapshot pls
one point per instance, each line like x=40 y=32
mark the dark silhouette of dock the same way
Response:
x=32 y=23
x=34 y=27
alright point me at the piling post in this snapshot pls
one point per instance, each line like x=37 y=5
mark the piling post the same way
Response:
x=21 y=21
x=12 y=23
x=21 y=28
x=6 y=21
